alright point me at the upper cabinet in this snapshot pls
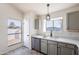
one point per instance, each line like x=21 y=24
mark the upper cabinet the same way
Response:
x=73 y=21
x=37 y=23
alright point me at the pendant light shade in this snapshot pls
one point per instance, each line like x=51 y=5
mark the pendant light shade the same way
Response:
x=48 y=16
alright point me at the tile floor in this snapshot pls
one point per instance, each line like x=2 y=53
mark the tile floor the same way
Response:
x=23 y=51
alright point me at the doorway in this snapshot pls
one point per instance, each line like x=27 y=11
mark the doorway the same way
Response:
x=27 y=33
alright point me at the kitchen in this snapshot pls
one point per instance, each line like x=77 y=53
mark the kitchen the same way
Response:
x=47 y=29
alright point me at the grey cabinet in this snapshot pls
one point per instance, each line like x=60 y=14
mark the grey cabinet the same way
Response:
x=44 y=46
x=65 y=49
x=36 y=44
x=52 y=48
x=32 y=42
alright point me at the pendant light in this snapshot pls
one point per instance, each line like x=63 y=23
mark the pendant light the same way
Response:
x=48 y=16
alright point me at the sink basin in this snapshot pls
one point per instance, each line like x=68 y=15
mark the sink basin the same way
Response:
x=49 y=37
x=38 y=36
x=46 y=37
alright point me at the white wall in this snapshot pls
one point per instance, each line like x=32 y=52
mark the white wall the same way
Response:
x=6 y=12
x=63 y=13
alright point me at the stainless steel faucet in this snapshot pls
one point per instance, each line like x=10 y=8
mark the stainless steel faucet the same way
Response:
x=51 y=33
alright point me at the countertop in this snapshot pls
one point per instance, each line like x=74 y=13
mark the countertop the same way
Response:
x=60 y=39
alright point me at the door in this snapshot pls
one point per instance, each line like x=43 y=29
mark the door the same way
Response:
x=33 y=43
x=52 y=48
x=37 y=44
x=67 y=51
x=27 y=33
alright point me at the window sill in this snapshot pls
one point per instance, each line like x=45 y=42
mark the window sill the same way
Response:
x=14 y=44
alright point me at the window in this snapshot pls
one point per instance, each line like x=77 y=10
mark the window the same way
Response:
x=49 y=25
x=55 y=24
x=14 y=31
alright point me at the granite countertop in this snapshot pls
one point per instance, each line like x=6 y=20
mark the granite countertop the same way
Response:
x=60 y=39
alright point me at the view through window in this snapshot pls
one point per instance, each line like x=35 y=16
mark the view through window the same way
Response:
x=55 y=24
x=14 y=31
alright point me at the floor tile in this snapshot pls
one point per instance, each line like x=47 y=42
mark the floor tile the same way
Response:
x=23 y=51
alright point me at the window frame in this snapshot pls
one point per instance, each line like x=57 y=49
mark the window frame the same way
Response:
x=16 y=33
x=60 y=18
x=61 y=25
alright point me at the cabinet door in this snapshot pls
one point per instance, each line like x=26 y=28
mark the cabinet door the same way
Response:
x=37 y=44
x=59 y=51
x=44 y=46
x=52 y=48
x=32 y=44
x=67 y=51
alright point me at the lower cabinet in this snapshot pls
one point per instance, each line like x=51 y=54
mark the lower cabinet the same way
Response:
x=52 y=48
x=44 y=46
x=32 y=43
x=66 y=49
x=36 y=44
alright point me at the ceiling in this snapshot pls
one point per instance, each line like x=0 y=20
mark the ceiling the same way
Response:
x=41 y=8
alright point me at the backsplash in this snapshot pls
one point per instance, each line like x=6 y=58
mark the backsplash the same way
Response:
x=61 y=34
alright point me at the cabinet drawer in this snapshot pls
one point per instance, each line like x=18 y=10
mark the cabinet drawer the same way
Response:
x=52 y=49
x=44 y=41
x=52 y=42
x=44 y=48
x=43 y=45
x=66 y=45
